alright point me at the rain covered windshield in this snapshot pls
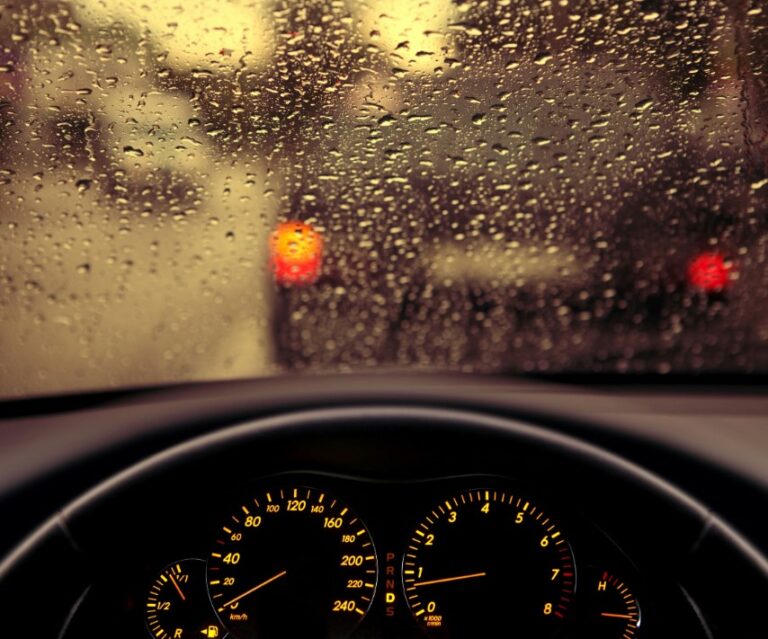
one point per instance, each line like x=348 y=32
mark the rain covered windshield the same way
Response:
x=210 y=189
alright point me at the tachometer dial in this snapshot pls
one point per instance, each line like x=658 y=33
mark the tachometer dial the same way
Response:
x=177 y=605
x=486 y=560
x=293 y=561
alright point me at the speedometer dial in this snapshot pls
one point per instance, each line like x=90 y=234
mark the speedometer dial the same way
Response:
x=293 y=561
x=486 y=560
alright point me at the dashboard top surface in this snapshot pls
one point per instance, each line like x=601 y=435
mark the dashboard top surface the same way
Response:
x=724 y=426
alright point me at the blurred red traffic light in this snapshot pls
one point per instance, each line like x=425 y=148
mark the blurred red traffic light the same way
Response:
x=296 y=252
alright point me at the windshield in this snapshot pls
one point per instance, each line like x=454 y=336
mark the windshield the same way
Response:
x=219 y=189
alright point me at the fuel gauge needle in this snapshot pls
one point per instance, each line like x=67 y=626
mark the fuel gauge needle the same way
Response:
x=176 y=585
x=613 y=615
x=254 y=589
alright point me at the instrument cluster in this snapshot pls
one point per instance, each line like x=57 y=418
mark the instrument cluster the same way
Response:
x=333 y=557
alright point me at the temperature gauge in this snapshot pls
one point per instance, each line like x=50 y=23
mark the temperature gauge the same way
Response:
x=613 y=609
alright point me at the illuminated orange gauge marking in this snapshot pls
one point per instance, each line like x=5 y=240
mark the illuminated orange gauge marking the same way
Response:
x=296 y=253
x=504 y=558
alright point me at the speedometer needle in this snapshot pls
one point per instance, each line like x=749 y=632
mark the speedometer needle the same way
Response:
x=254 y=589
x=449 y=579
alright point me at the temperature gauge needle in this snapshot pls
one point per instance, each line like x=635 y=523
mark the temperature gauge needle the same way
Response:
x=446 y=580
x=613 y=615
x=254 y=589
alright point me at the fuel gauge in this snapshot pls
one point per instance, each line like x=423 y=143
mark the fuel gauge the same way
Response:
x=614 y=612
x=178 y=606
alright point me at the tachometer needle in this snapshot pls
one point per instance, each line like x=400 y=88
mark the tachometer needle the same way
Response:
x=254 y=589
x=449 y=579
x=176 y=585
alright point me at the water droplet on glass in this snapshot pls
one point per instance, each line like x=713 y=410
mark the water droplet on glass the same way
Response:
x=133 y=151
x=644 y=105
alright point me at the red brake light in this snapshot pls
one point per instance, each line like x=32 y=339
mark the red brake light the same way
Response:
x=709 y=272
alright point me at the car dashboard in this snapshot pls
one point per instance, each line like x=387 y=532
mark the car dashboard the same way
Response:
x=368 y=518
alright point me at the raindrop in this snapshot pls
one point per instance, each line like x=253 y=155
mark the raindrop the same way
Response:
x=644 y=105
